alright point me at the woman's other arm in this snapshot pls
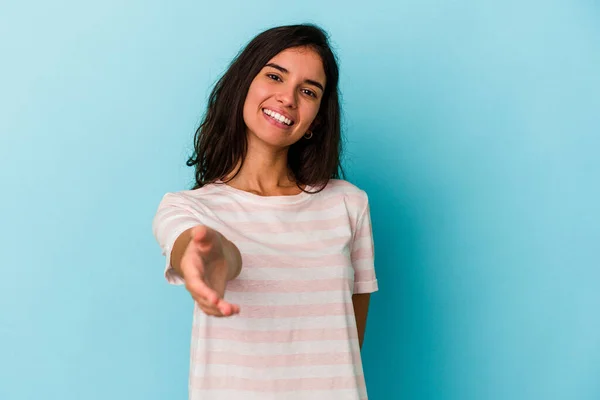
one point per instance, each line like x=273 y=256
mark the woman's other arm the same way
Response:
x=361 y=308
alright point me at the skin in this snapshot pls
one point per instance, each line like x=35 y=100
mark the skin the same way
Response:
x=292 y=84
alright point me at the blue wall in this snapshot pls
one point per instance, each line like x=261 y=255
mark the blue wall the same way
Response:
x=473 y=125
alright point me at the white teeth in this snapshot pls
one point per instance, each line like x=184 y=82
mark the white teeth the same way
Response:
x=277 y=116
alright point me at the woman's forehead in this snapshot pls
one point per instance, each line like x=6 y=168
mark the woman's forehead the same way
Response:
x=302 y=61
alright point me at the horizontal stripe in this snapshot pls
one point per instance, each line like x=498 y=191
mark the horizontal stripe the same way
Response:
x=259 y=249
x=287 y=372
x=287 y=360
x=278 y=385
x=275 y=336
x=274 y=234
x=302 y=244
x=325 y=223
x=363 y=264
x=178 y=212
x=343 y=344
x=295 y=311
x=362 y=254
x=225 y=394
x=364 y=276
x=289 y=215
x=287 y=261
x=362 y=242
x=167 y=230
x=282 y=299
x=258 y=324
x=294 y=273
x=289 y=286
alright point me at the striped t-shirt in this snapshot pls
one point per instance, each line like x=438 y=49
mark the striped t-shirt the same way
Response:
x=303 y=256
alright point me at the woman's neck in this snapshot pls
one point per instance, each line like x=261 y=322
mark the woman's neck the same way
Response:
x=265 y=174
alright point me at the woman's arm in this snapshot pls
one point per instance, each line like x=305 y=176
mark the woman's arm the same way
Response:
x=361 y=307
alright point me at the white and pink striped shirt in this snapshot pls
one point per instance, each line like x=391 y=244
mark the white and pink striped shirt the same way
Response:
x=303 y=257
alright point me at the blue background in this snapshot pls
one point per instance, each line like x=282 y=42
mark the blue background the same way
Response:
x=473 y=125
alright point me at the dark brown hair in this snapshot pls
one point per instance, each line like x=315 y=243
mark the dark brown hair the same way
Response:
x=220 y=141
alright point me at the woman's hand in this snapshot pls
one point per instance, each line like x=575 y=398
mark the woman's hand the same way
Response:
x=206 y=267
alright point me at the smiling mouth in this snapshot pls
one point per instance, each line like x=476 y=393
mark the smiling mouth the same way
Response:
x=278 y=117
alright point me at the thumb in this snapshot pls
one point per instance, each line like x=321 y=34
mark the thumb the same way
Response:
x=202 y=235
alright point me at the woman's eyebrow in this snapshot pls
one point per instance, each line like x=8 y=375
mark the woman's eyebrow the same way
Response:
x=285 y=71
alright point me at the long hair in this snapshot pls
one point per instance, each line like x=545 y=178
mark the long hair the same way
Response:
x=220 y=142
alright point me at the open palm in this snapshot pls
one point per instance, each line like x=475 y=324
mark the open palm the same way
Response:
x=205 y=271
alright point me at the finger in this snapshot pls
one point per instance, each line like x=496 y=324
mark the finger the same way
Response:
x=202 y=236
x=209 y=309
x=228 y=308
x=225 y=308
x=205 y=305
x=210 y=312
x=199 y=232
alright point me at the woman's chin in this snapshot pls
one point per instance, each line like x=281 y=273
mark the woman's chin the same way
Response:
x=273 y=139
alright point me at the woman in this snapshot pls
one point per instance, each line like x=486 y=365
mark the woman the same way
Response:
x=275 y=249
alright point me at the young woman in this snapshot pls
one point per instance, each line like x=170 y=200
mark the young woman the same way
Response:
x=275 y=249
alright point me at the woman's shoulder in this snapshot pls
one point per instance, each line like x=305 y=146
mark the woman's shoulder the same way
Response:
x=346 y=192
x=343 y=187
x=207 y=193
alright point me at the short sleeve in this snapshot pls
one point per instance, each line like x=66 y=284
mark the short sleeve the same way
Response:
x=363 y=255
x=175 y=215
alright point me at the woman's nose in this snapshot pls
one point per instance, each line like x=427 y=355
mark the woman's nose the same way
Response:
x=287 y=97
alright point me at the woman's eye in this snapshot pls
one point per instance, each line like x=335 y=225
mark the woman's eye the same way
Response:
x=274 y=77
x=309 y=92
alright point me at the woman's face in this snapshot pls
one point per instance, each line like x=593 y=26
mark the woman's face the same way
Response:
x=284 y=98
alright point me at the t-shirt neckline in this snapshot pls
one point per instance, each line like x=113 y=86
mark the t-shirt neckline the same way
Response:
x=282 y=199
